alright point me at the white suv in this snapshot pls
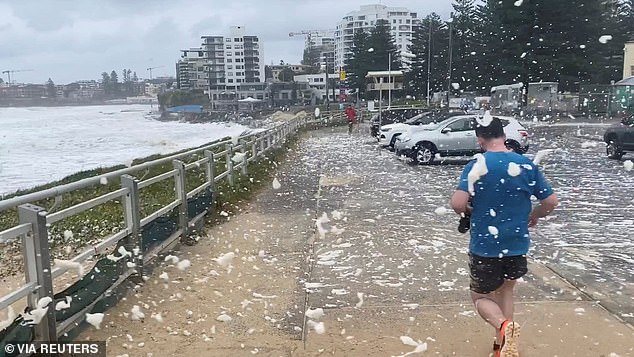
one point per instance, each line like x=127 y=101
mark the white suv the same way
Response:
x=388 y=133
x=455 y=137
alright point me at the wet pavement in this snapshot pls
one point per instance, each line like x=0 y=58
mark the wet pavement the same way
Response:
x=390 y=247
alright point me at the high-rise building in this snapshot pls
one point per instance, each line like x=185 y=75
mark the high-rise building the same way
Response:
x=323 y=45
x=402 y=23
x=191 y=70
x=232 y=66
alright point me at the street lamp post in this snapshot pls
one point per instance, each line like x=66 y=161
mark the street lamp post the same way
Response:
x=450 y=58
x=389 y=80
x=429 y=63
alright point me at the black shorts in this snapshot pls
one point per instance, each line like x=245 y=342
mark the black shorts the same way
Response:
x=488 y=273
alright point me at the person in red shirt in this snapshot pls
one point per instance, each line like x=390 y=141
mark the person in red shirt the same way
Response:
x=351 y=114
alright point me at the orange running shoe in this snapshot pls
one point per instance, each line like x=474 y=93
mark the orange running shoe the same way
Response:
x=508 y=334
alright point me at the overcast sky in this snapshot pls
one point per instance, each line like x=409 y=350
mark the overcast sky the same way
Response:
x=70 y=40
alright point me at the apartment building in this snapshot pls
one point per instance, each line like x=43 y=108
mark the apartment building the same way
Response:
x=324 y=45
x=191 y=70
x=276 y=69
x=317 y=82
x=402 y=22
x=228 y=67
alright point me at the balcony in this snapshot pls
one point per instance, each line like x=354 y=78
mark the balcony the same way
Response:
x=213 y=40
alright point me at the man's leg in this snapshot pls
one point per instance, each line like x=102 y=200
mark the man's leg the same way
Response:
x=488 y=308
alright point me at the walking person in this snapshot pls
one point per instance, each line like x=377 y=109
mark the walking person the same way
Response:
x=495 y=191
x=351 y=115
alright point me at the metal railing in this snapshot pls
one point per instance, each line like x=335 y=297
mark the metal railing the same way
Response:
x=32 y=231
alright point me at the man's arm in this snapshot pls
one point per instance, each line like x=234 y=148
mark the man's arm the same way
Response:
x=460 y=201
x=545 y=207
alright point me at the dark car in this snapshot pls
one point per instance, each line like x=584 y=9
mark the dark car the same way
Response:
x=620 y=139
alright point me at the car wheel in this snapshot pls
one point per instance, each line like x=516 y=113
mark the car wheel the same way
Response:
x=392 y=142
x=614 y=150
x=424 y=154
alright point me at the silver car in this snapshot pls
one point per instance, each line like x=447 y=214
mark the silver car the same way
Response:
x=455 y=137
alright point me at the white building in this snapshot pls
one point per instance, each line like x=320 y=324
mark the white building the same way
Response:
x=191 y=70
x=324 y=44
x=232 y=66
x=318 y=83
x=402 y=23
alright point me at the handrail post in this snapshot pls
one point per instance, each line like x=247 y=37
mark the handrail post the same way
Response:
x=229 y=157
x=245 y=162
x=132 y=210
x=254 y=147
x=181 y=195
x=37 y=261
x=267 y=140
x=211 y=171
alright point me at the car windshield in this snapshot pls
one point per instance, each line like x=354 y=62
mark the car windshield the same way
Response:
x=424 y=118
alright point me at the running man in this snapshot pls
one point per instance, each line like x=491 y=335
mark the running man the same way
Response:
x=499 y=190
x=351 y=115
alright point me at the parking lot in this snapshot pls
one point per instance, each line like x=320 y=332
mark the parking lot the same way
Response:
x=587 y=241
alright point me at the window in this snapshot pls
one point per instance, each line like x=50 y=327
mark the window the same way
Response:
x=400 y=21
x=632 y=70
x=394 y=21
x=229 y=67
x=465 y=124
x=227 y=40
x=229 y=80
x=237 y=39
x=229 y=74
x=227 y=47
x=239 y=80
x=407 y=21
x=229 y=60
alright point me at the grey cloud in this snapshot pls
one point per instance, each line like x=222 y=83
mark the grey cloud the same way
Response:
x=78 y=39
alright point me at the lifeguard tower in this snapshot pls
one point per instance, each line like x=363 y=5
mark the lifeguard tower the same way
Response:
x=384 y=80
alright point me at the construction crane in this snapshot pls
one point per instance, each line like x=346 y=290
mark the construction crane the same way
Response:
x=151 y=68
x=9 y=71
x=309 y=34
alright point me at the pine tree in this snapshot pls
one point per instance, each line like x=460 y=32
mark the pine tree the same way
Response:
x=384 y=48
x=114 y=82
x=438 y=56
x=464 y=45
x=356 y=65
x=105 y=83
x=51 y=90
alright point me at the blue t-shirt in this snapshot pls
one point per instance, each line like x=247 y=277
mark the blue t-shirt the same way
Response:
x=502 y=202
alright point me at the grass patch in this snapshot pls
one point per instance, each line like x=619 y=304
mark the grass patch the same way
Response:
x=72 y=235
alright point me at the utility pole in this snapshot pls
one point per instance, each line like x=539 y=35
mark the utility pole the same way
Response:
x=450 y=57
x=327 y=100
